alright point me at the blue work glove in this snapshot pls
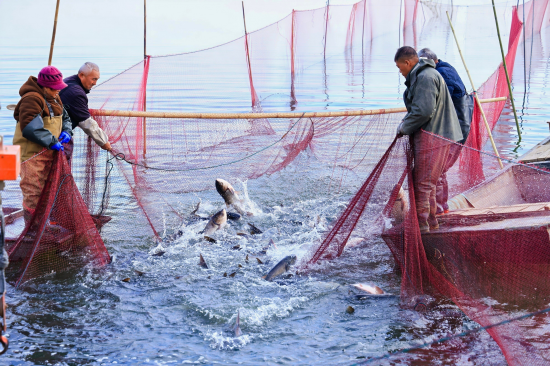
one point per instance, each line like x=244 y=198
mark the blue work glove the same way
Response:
x=64 y=137
x=57 y=147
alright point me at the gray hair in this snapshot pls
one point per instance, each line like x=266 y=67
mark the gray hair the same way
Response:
x=427 y=53
x=88 y=67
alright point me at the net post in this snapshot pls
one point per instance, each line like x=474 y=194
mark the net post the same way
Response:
x=506 y=72
x=293 y=101
x=53 y=34
x=475 y=95
x=144 y=66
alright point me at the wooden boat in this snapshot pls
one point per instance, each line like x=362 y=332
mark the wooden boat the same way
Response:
x=497 y=234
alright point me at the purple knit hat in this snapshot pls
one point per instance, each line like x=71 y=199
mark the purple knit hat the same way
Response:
x=51 y=77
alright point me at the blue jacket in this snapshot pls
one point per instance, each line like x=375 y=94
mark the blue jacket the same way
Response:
x=75 y=100
x=454 y=83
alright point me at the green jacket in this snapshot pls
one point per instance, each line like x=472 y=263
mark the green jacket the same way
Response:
x=429 y=104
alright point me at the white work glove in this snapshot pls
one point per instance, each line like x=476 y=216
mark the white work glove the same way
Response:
x=92 y=129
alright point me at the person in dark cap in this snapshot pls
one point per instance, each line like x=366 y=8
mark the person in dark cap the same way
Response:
x=429 y=108
x=75 y=99
x=464 y=107
x=42 y=125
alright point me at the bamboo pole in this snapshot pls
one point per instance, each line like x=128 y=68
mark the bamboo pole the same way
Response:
x=183 y=115
x=53 y=34
x=144 y=66
x=506 y=72
x=475 y=95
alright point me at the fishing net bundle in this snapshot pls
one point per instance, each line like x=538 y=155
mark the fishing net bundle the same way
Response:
x=146 y=184
x=61 y=234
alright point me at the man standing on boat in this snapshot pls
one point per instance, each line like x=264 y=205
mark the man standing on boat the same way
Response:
x=75 y=101
x=429 y=108
x=464 y=107
x=42 y=123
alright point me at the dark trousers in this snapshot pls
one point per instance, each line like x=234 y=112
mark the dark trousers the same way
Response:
x=442 y=190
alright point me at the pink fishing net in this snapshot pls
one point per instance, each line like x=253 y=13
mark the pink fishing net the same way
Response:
x=489 y=255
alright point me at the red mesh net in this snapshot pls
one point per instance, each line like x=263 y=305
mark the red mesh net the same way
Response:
x=59 y=233
x=489 y=254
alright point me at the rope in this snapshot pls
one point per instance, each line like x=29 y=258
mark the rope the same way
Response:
x=121 y=157
x=491 y=155
x=445 y=339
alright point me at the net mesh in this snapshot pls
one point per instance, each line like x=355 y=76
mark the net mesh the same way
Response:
x=489 y=254
x=60 y=234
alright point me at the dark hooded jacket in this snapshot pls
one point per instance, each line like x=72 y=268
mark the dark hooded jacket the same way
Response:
x=464 y=103
x=75 y=100
x=453 y=80
x=429 y=104
x=32 y=103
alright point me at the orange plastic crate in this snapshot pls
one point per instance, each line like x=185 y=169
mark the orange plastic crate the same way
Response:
x=10 y=162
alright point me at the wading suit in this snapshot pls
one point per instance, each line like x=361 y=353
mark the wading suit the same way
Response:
x=75 y=101
x=34 y=136
x=429 y=108
x=464 y=107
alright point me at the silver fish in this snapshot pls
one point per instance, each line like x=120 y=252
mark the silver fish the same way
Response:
x=230 y=196
x=281 y=267
x=216 y=223
x=400 y=207
x=371 y=289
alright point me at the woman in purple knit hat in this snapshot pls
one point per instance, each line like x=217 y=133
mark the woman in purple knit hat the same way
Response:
x=43 y=125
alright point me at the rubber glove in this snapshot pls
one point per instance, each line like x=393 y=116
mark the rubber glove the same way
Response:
x=57 y=147
x=64 y=137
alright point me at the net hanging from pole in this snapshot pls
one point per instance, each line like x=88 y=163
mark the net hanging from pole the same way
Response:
x=146 y=192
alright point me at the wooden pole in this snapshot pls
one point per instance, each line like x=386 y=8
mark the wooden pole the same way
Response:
x=144 y=66
x=182 y=115
x=475 y=94
x=246 y=40
x=53 y=34
x=506 y=72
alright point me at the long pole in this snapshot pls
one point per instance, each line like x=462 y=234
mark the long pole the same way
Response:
x=145 y=86
x=506 y=72
x=475 y=94
x=53 y=34
x=193 y=115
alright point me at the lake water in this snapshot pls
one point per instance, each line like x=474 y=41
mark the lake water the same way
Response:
x=179 y=313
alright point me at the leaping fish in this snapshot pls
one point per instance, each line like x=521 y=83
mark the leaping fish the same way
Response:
x=230 y=196
x=281 y=267
x=216 y=223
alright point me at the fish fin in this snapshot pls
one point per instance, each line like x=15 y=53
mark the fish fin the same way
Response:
x=194 y=212
x=259 y=261
x=202 y=262
x=233 y=274
x=238 y=331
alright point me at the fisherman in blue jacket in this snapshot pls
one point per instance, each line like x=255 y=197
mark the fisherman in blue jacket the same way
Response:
x=75 y=100
x=464 y=107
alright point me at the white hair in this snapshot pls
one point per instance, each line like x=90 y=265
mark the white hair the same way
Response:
x=88 y=67
x=427 y=53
